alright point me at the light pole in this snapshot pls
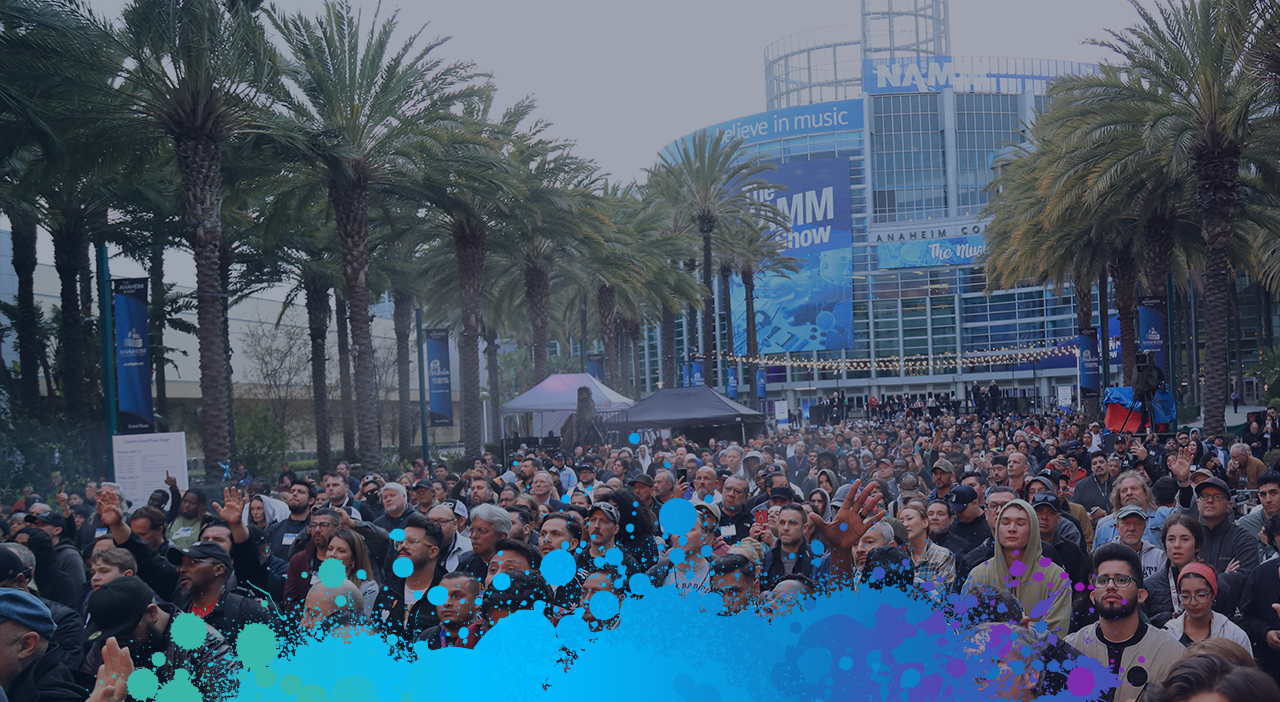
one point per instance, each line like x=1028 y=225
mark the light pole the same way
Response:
x=424 y=412
x=106 y=335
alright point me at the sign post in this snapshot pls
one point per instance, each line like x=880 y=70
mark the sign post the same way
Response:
x=424 y=413
x=133 y=358
x=108 y=349
x=439 y=377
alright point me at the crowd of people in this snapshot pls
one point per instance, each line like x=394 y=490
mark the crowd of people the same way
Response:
x=1155 y=556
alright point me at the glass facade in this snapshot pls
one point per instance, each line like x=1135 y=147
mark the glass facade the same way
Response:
x=984 y=123
x=910 y=163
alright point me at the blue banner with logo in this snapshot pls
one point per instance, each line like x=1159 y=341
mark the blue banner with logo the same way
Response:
x=1090 y=365
x=595 y=366
x=760 y=382
x=439 y=377
x=811 y=309
x=1152 y=331
x=135 y=414
x=819 y=118
x=733 y=384
x=936 y=252
x=698 y=372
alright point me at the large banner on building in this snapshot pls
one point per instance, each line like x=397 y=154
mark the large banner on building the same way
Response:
x=1090 y=365
x=976 y=74
x=921 y=254
x=820 y=118
x=439 y=377
x=697 y=372
x=811 y=309
x=135 y=414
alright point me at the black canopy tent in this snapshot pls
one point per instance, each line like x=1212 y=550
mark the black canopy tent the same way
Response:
x=697 y=411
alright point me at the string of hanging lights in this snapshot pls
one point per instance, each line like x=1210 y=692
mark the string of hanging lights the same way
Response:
x=917 y=362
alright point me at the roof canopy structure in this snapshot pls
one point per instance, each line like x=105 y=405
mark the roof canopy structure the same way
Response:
x=681 y=408
x=559 y=393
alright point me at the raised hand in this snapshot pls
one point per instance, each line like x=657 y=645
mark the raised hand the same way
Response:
x=170 y=480
x=232 y=506
x=109 y=509
x=1181 y=467
x=113 y=674
x=853 y=519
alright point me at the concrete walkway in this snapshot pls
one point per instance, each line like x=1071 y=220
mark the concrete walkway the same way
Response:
x=1233 y=418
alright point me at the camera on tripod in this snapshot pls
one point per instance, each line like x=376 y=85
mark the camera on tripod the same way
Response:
x=1147 y=376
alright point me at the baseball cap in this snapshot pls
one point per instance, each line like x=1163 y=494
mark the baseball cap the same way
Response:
x=1046 y=481
x=753 y=454
x=909 y=482
x=423 y=484
x=557 y=456
x=609 y=511
x=943 y=465
x=1202 y=473
x=116 y=607
x=643 y=479
x=724 y=473
x=711 y=508
x=1044 y=498
x=1131 y=511
x=26 y=609
x=1212 y=482
x=458 y=507
x=10 y=565
x=1000 y=460
x=585 y=466
x=783 y=492
x=52 y=518
x=200 y=550
x=961 y=496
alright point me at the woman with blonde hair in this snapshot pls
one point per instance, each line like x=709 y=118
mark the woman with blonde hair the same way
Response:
x=349 y=548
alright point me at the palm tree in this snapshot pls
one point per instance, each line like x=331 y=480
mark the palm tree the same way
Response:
x=362 y=107
x=1207 y=111
x=19 y=205
x=754 y=253
x=200 y=72
x=711 y=177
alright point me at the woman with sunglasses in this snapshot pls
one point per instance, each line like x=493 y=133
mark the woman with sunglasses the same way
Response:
x=1197 y=588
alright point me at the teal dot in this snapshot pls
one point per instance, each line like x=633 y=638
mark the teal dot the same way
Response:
x=501 y=581
x=397 y=534
x=361 y=575
x=845 y=663
x=180 y=689
x=290 y=684
x=910 y=678
x=157 y=659
x=143 y=684
x=188 y=631
x=613 y=556
x=340 y=600
x=402 y=567
x=437 y=595
x=706 y=551
x=332 y=572
x=677 y=516
x=256 y=646
x=603 y=605
x=634 y=437
x=558 y=568
x=264 y=677
x=817 y=548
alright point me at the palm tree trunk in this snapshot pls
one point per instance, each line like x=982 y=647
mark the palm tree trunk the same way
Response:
x=753 y=343
x=1084 y=324
x=1237 y=330
x=725 y=274
x=1104 y=328
x=1124 y=273
x=225 y=258
x=469 y=239
x=537 y=293
x=344 y=381
x=26 y=323
x=85 y=257
x=155 y=331
x=1217 y=169
x=200 y=166
x=351 y=214
x=606 y=301
x=494 y=367
x=668 y=348
x=402 y=318
x=633 y=331
x=317 y=301
x=707 y=225
x=1158 y=252
x=68 y=240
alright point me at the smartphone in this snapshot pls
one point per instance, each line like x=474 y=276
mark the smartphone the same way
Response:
x=762 y=517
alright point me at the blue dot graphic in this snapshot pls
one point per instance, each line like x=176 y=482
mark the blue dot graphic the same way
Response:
x=910 y=678
x=501 y=581
x=634 y=438
x=603 y=605
x=402 y=567
x=361 y=575
x=677 y=556
x=846 y=663
x=817 y=548
x=631 y=528
x=558 y=568
x=397 y=535
x=437 y=595
x=706 y=551
x=613 y=556
x=677 y=516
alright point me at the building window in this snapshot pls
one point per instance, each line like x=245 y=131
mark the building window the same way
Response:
x=909 y=159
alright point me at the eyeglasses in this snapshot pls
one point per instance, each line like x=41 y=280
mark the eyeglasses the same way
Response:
x=323 y=525
x=1212 y=497
x=1202 y=596
x=1120 y=581
x=413 y=542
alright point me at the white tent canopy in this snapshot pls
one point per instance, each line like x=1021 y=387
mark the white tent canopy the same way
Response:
x=554 y=399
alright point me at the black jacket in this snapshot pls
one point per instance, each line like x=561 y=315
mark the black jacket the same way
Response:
x=68 y=627
x=153 y=568
x=233 y=611
x=389 y=610
x=1257 y=616
x=974 y=532
x=1226 y=542
x=804 y=562
x=391 y=523
x=69 y=565
x=470 y=562
x=741 y=525
x=1159 y=604
x=46 y=680
x=956 y=545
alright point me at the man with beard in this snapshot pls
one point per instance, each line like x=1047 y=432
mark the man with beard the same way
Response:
x=303 y=565
x=123 y=609
x=203 y=572
x=1138 y=654
x=300 y=497
x=402 y=607
x=602 y=534
x=451 y=519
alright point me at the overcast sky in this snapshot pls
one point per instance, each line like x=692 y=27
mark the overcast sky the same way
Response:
x=625 y=79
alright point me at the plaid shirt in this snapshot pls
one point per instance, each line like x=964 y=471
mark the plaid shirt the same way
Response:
x=936 y=565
